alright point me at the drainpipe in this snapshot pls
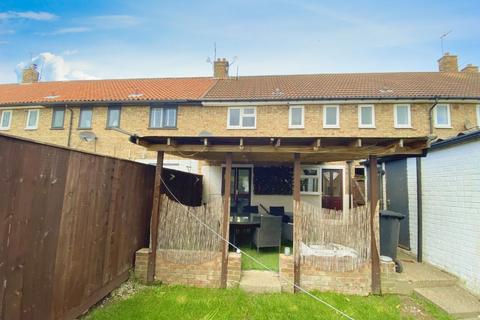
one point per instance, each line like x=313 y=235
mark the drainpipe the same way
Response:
x=350 y=200
x=430 y=117
x=419 y=211
x=70 y=126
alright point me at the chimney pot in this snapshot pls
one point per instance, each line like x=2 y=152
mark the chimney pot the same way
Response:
x=220 y=68
x=470 y=68
x=30 y=74
x=448 y=63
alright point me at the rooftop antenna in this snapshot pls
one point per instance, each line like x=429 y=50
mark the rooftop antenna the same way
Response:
x=442 y=38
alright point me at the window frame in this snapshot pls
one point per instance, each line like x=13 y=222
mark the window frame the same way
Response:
x=35 y=126
x=109 y=108
x=83 y=109
x=305 y=176
x=290 y=118
x=241 y=116
x=449 y=117
x=395 y=116
x=164 y=109
x=360 y=124
x=10 y=112
x=478 y=115
x=56 y=109
x=331 y=126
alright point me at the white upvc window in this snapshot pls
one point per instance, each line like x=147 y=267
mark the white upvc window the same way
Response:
x=478 y=115
x=32 y=119
x=402 y=116
x=242 y=118
x=331 y=116
x=366 y=116
x=309 y=180
x=5 y=119
x=441 y=116
x=296 y=117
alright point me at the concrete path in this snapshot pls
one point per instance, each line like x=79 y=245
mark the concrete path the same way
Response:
x=257 y=281
x=453 y=300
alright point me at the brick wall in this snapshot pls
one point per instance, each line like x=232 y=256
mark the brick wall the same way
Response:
x=271 y=121
x=451 y=211
x=206 y=274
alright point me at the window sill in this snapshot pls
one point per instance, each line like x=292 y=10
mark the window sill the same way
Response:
x=331 y=127
x=367 y=127
x=306 y=193
x=84 y=128
x=31 y=129
x=153 y=128
x=62 y=128
x=296 y=127
x=112 y=128
x=403 y=127
x=241 y=128
x=443 y=127
x=4 y=129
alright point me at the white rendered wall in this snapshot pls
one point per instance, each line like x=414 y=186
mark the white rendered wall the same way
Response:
x=451 y=211
x=412 y=202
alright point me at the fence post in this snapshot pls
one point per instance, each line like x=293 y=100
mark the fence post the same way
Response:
x=297 y=236
x=226 y=218
x=373 y=186
x=154 y=218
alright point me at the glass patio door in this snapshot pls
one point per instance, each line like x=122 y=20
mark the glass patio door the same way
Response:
x=332 y=189
x=240 y=192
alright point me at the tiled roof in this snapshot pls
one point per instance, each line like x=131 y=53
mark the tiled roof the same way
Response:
x=163 y=89
x=283 y=87
x=348 y=86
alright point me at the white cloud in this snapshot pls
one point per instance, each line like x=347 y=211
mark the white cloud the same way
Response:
x=53 y=68
x=30 y=15
x=65 y=31
x=69 y=52
x=7 y=31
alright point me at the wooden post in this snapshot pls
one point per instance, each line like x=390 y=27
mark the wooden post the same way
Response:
x=154 y=219
x=226 y=218
x=373 y=186
x=297 y=234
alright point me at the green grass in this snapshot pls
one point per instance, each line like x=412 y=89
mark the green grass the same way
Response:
x=174 y=302
x=268 y=256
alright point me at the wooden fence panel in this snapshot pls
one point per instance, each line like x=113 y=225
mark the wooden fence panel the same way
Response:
x=70 y=223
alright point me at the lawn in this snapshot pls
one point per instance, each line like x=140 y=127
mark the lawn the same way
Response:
x=268 y=256
x=175 y=302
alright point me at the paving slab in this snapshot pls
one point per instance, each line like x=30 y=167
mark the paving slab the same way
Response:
x=454 y=300
x=257 y=281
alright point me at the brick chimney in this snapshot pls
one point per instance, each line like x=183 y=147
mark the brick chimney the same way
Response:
x=448 y=63
x=220 y=68
x=470 y=68
x=30 y=74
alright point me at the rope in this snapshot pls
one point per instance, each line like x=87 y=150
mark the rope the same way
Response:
x=254 y=259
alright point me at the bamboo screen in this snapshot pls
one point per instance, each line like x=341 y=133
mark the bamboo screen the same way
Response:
x=182 y=238
x=332 y=240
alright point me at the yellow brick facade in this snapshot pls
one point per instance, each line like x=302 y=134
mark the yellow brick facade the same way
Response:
x=272 y=121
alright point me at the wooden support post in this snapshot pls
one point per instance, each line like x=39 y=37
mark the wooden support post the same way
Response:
x=297 y=234
x=373 y=186
x=226 y=218
x=154 y=219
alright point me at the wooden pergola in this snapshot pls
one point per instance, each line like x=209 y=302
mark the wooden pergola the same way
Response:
x=296 y=150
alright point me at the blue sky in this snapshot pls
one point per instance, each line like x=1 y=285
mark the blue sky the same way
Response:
x=120 y=39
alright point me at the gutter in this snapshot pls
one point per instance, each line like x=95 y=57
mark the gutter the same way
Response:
x=106 y=102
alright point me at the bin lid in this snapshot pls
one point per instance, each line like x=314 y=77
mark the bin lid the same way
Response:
x=391 y=214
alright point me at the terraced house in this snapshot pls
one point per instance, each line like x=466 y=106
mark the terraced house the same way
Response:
x=259 y=142
x=361 y=107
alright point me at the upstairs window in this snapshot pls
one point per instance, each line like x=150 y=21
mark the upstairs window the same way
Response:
x=6 y=120
x=163 y=117
x=296 y=117
x=58 y=118
x=32 y=119
x=113 y=117
x=441 y=114
x=402 y=116
x=366 y=116
x=242 y=118
x=331 y=115
x=309 y=180
x=86 y=115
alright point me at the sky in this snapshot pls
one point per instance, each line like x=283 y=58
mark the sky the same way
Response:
x=80 y=39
